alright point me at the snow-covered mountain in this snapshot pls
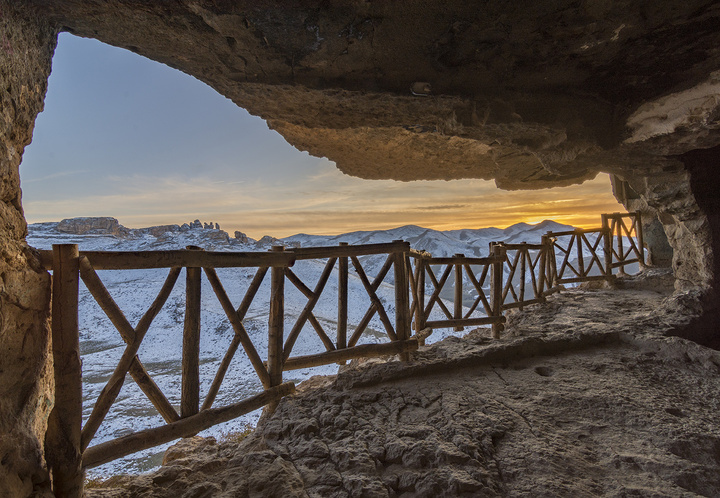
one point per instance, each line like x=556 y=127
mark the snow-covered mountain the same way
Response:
x=134 y=290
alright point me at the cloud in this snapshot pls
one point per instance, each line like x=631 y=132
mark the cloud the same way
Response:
x=328 y=202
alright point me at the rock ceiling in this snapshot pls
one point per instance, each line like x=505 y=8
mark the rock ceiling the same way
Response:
x=531 y=94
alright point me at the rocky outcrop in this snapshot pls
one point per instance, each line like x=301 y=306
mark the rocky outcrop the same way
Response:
x=574 y=401
x=85 y=225
x=27 y=43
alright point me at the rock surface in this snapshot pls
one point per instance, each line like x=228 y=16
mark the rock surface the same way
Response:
x=585 y=396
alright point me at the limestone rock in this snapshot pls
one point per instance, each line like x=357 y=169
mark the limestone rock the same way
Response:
x=85 y=225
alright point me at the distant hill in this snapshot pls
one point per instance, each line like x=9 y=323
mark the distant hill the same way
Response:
x=107 y=234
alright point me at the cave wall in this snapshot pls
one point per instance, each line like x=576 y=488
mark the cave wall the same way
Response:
x=531 y=96
x=26 y=48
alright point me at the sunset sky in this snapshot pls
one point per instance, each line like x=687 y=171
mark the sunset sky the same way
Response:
x=127 y=137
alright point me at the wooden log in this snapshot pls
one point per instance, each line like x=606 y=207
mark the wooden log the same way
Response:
x=402 y=301
x=374 y=298
x=460 y=261
x=141 y=440
x=347 y=251
x=313 y=296
x=581 y=260
x=574 y=232
x=327 y=342
x=152 y=391
x=190 y=397
x=458 y=291
x=524 y=254
x=363 y=351
x=438 y=285
x=420 y=297
x=63 y=438
x=127 y=332
x=275 y=326
x=241 y=337
x=545 y=247
x=496 y=285
x=125 y=260
x=251 y=292
x=362 y=325
x=521 y=245
x=299 y=284
x=342 y=321
x=641 y=242
x=481 y=292
x=114 y=384
x=469 y=322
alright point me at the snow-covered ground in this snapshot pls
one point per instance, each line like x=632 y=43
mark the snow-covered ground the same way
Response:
x=161 y=350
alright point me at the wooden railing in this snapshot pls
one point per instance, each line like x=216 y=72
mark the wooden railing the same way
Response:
x=478 y=270
x=526 y=264
x=512 y=276
x=620 y=236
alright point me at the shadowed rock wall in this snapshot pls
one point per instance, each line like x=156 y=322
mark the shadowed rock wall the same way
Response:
x=26 y=48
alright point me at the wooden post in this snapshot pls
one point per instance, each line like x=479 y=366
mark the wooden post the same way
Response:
x=607 y=246
x=496 y=287
x=190 y=398
x=275 y=327
x=402 y=300
x=581 y=261
x=420 y=318
x=617 y=221
x=639 y=235
x=543 y=266
x=64 y=453
x=524 y=254
x=342 y=301
x=458 y=292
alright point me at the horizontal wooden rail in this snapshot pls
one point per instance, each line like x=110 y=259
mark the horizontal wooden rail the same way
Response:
x=126 y=260
x=522 y=245
x=355 y=352
x=462 y=260
x=576 y=232
x=346 y=251
x=142 y=440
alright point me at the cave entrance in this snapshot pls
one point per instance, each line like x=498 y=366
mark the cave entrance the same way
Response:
x=130 y=138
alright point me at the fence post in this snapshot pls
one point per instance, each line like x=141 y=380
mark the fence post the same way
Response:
x=542 y=271
x=190 y=398
x=607 y=243
x=63 y=439
x=402 y=300
x=524 y=254
x=496 y=287
x=458 y=291
x=639 y=236
x=275 y=325
x=581 y=261
x=420 y=318
x=342 y=300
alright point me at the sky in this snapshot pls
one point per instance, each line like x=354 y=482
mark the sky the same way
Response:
x=130 y=138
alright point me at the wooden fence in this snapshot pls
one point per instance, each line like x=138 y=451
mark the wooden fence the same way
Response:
x=512 y=276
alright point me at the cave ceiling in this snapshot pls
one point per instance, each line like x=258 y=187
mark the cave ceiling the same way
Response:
x=530 y=94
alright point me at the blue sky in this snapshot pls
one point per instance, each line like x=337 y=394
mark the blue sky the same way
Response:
x=127 y=137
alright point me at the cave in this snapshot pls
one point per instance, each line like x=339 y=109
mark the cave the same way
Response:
x=530 y=96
